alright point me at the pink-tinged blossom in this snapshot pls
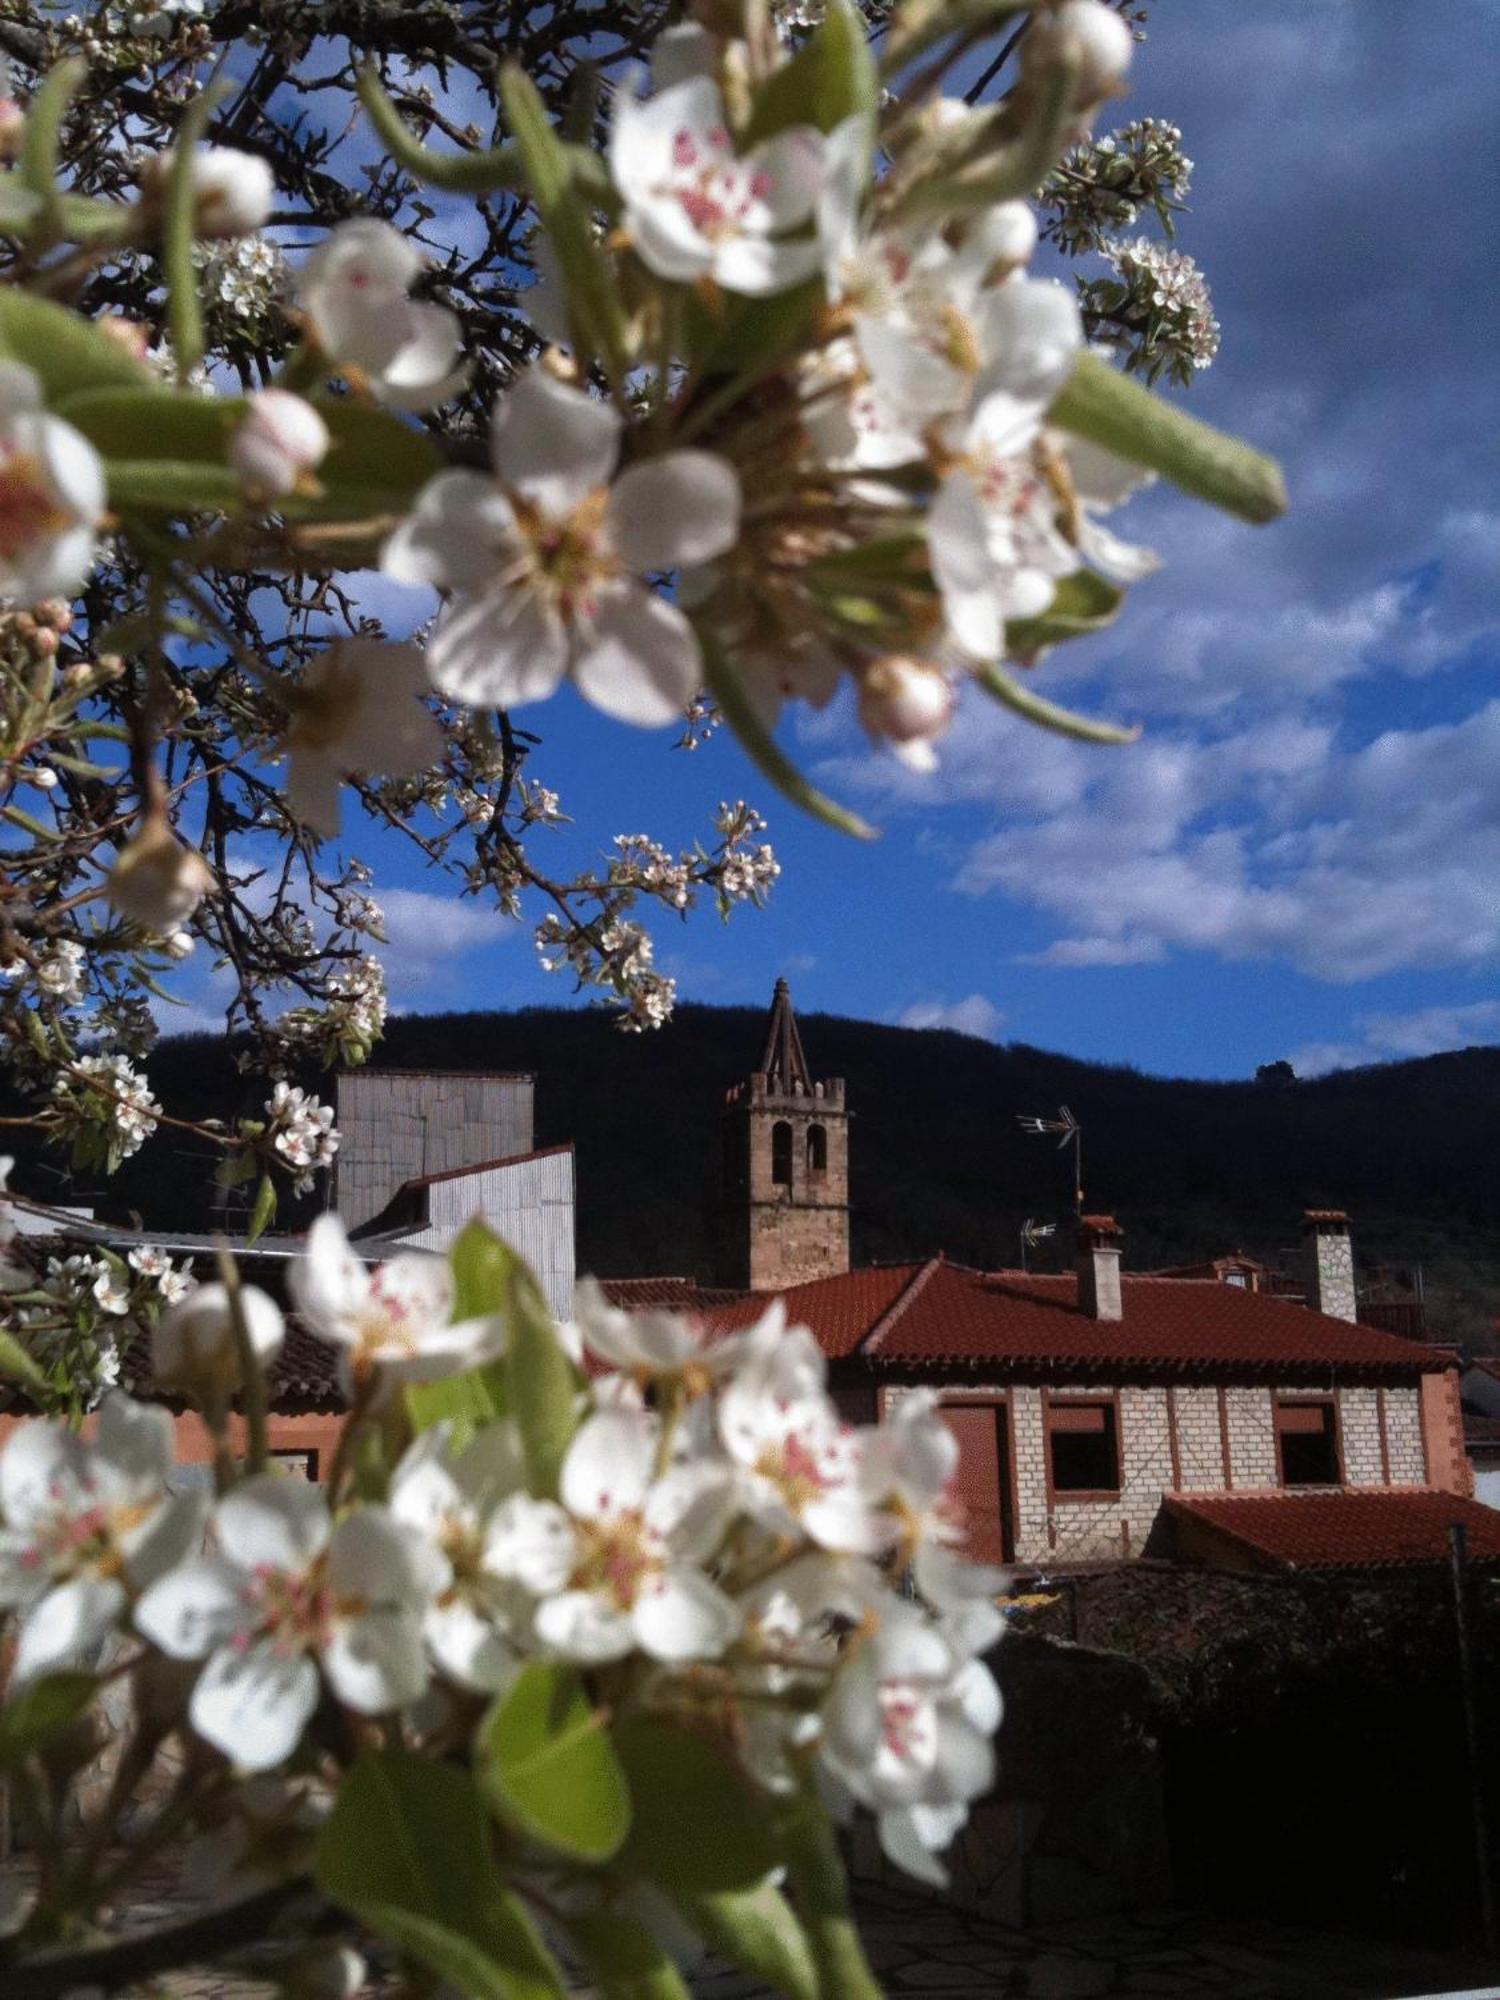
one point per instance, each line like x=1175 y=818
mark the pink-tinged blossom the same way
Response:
x=391 y=1321
x=547 y=560
x=697 y=209
x=354 y=289
x=289 y=1593
x=87 y=1525
x=51 y=495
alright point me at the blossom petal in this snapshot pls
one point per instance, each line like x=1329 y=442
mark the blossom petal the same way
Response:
x=254 y=1704
x=329 y=1283
x=682 y=507
x=191 y=1610
x=43 y=1466
x=167 y=1536
x=313 y=792
x=608 y=1466
x=135 y=1442
x=553 y=443
x=1031 y=331
x=454 y=536
x=426 y=366
x=375 y=1663
x=641 y=662
x=757 y=266
x=500 y=651
x=273 y=1522
x=583 y=1627
x=683 y=1615
x=370 y=1558
x=958 y=550
x=531 y=1542
x=67 y=1627
x=469 y=1648
x=788 y=174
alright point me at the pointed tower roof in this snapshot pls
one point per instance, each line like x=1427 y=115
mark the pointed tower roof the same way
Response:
x=783 y=1064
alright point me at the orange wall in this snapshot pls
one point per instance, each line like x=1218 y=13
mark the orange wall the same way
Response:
x=317 y=1434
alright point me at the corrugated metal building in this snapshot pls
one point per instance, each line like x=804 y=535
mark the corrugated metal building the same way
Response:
x=398 y=1126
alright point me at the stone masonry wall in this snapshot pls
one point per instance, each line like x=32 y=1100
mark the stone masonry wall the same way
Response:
x=1252 y=1437
x=1200 y=1439
x=1359 y=1423
x=1403 y=1437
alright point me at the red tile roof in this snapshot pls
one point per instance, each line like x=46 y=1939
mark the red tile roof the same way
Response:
x=1344 y=1530
x=932 y=1314
x=675 y=1294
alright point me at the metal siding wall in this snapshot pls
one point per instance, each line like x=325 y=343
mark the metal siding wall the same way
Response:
x=530 y=1204
x=394 y=1127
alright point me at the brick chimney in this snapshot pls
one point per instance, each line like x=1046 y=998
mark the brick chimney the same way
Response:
x=1099 y=1267
x=1328 y=1263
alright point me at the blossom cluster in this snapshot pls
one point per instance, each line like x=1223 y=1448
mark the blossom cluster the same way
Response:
x=715 y=1525
x=1103 y=184
x=302 y=1131
x=104 y=1108
x=1158 y=301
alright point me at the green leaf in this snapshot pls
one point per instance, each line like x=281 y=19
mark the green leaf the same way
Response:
x=548 y=1769
x=463 y=173
x=1099 y=403
x=831 y=77
x=896 y=562
x=697 y=1827
x=69 y=355
x=264 y=1210
x=541 y=1384
x=482 y=1264
x=17 y=1364
x=39 y=1711
x=594 y=307
x=1081 y=603
x=406 y=1851
x=757 y=1930
x=167 y=450
x=1046 y=714
x=468 y=1402
x=623 y=1960
x=767 y=755
x=742 y=341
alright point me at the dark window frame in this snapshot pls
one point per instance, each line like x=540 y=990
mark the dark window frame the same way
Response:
x=1329 y=1436
x=1063 y=1417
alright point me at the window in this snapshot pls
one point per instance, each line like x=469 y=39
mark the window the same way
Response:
x=304 y=1464
x=817 y=1152
x=1083 y=1447
x=781 y=1153
x=1307 y=1444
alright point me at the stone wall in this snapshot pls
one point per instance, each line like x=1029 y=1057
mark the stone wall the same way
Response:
x=778 y=1232
x=1403 y=1436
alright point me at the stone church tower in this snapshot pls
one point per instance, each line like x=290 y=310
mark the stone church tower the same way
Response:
x=784 y=1199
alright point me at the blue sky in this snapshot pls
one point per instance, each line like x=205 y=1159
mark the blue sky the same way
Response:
x=1302 y=856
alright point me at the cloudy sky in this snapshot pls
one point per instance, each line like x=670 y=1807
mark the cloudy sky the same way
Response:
x=1302 y=855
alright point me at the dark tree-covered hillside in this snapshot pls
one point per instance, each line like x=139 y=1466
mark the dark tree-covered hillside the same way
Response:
x=937 y=1159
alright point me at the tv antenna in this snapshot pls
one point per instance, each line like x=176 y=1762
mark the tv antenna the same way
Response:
x=1032 y=1233
x=1071 y=1133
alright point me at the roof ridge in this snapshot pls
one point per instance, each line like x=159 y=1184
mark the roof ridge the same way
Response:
x=486 y=1166
x=911 y=1290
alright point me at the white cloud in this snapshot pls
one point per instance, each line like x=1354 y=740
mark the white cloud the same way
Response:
x=972 y=1016
x=1426 y=1031
x=426 y=934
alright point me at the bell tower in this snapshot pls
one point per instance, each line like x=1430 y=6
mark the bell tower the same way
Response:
x=784 y=1192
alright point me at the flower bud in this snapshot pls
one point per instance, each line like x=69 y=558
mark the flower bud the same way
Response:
x=180 y=945
x=1097 y=40
x=156 y=881
x=235 y=190
x=904 y=701
x=12 y=130
x=193 y=1345
x=1005 y=235
x=280 y=441
x=132 y=334
x=43 y=777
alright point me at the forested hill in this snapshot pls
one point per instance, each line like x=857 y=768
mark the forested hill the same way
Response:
x=937 y=1159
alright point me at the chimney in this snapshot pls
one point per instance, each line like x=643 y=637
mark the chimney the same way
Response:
x=1328 y=1263
x=1099 y=1267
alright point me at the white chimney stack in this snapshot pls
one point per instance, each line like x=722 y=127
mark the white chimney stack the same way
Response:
x=1328 y=1263
x=1099 y=1267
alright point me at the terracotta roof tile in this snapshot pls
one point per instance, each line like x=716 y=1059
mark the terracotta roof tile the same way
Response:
x=1344 y=1530
x=940 y=1313
x=673 y=1294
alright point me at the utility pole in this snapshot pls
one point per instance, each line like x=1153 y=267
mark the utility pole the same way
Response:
x=1458 y=1554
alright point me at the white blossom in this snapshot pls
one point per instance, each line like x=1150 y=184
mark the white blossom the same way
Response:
x=51 y=494
x=287 y=1593
x=696 y=209
x=157 y=880
x=193 y=1344
x=278 y=443
x=86 y=1527
x=354 y=290
x=357 y=708
x=391 y=1322
x=546 y=559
